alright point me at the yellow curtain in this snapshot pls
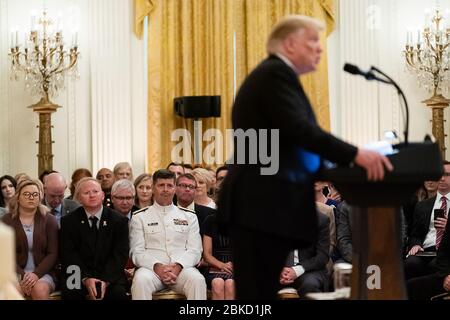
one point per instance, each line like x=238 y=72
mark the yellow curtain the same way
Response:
x=142 y=9
x=191 y=52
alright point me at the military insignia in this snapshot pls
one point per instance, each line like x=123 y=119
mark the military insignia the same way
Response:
x=153 y=224
x=179 y=222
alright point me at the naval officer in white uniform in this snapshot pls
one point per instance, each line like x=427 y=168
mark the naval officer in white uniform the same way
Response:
x=165 y=245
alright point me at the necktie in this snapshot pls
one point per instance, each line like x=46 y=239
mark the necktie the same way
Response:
x=440 y=232
x=93 y=221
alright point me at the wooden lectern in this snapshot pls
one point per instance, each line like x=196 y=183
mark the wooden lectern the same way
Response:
x=376 y=214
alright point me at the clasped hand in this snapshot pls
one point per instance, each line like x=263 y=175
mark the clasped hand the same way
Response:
x=168 y=273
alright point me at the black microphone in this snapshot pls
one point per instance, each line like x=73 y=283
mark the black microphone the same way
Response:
x=369 y=75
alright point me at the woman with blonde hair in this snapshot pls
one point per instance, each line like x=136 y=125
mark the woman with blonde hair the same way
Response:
x=36 y=240
x=204 y=183
x=144 y=195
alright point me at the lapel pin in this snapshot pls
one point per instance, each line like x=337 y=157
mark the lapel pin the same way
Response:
x=104 y=223
x=82 y=221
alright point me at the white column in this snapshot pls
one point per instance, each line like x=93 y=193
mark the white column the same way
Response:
x=358 y=102
x=113 y=99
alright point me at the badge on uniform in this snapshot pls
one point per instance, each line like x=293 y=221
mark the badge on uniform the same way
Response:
x=153 y=224
x=179 y=222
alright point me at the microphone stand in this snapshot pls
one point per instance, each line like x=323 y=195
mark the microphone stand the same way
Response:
x=400 y=92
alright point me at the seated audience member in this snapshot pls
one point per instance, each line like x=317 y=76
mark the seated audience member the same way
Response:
x=106 y=179
x=427 y=190
x=204 y=183
x=425 y=287
x=54 y=189
x=306 y=269
x=143 y=186
x=94 y=238
x=165 y=245
x=8 y=189
x=77 y=175
x=176 y=168
x=122 y=196
x=185 y=192
x=123 y=170
x=428 y=229
x=44 y=174
x=324 y=205
x=217 y=253
x=221 y=173
x=21 y=176
x=36 y=240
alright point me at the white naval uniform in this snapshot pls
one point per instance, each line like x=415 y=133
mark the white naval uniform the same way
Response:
x=166 y=235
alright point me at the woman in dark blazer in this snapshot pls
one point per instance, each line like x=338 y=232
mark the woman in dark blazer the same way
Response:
x=36 y=240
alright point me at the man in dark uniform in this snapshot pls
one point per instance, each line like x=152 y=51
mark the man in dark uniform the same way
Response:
x=271 y=214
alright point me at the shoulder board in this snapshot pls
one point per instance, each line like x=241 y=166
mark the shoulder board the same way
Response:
x=186 y=209
x=140 y=210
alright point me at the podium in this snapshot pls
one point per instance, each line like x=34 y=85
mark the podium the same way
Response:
x=377 y=260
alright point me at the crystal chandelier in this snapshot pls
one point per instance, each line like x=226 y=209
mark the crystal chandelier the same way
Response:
x=43 y=61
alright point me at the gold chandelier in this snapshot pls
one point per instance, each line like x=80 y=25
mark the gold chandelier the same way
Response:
x=44 y=62
x=429 y=59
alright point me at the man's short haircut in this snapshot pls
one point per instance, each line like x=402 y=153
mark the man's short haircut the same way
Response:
x=187 y=176
x=163 y=174
x=123 y=184
x=289 y=25
x=187 y=165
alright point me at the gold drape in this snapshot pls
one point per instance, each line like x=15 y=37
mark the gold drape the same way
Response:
x=142 y=9
x=191 y=52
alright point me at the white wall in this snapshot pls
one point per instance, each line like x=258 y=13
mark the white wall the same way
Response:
x=373 y=32
x=103 y=116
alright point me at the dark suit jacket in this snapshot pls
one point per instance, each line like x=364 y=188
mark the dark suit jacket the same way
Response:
x=421 y=222
x=443 y=254
x=283 y=204
x=202 y=212
x=316 y=257
x=45 y=243
x=68 y=206
x=104 y=260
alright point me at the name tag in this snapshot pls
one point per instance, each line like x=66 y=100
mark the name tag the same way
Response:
x=153 y=224
x=179 y=222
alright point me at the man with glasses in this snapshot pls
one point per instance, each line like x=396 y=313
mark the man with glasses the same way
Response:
x=54 y=190
x=185 y=191
x=165 y=245
x=122 y=197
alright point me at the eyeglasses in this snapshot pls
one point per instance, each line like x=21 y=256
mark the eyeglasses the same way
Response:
x=186 y=186
x=446 y=174
x=30 y=195
x=123 y=198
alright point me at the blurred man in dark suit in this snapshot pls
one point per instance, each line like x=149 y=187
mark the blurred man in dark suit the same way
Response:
x=271 y=214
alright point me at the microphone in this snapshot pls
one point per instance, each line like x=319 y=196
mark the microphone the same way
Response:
x=369 y=75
